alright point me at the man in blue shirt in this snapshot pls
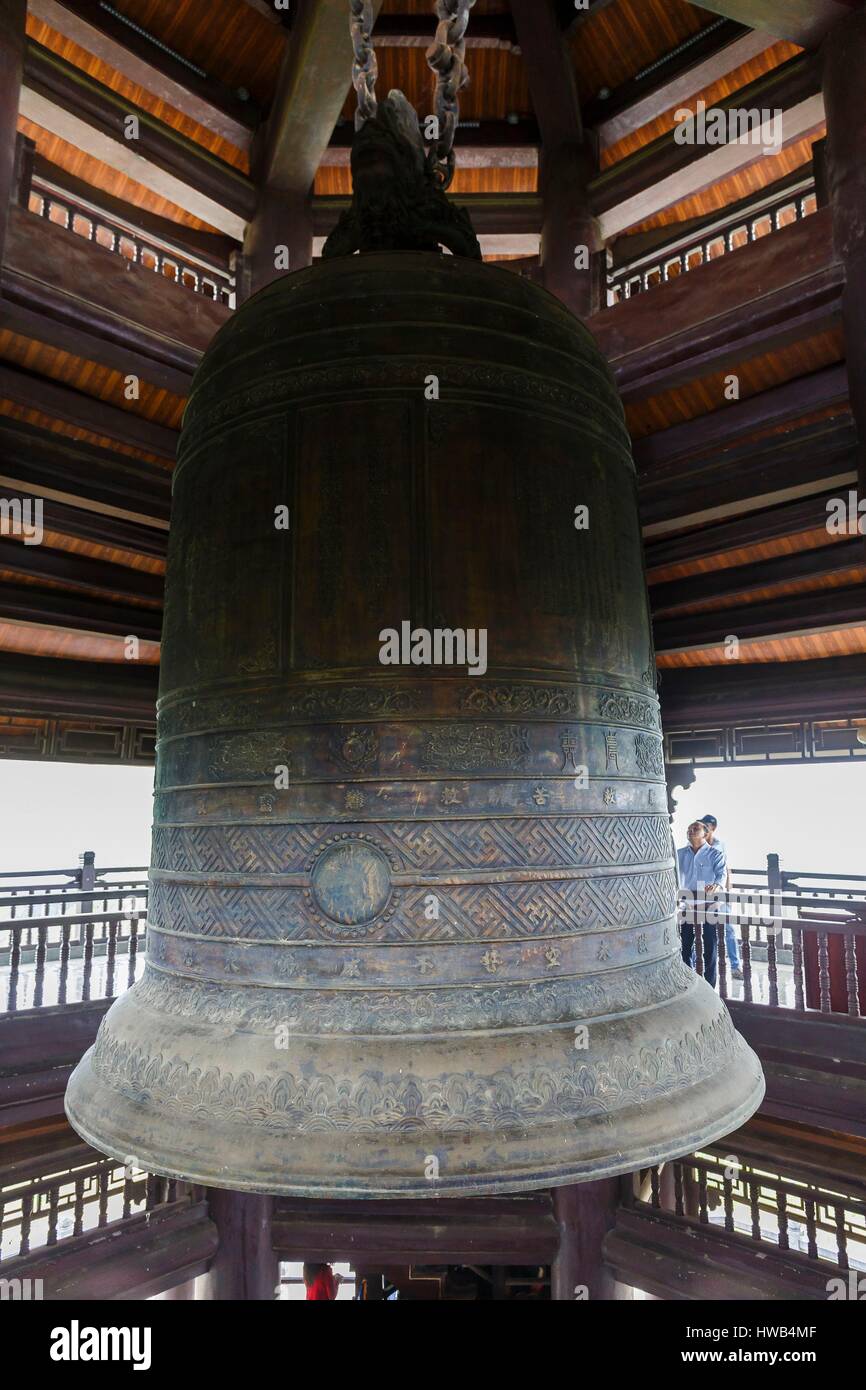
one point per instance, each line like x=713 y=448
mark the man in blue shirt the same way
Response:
x=731 y=941
x=702 y=875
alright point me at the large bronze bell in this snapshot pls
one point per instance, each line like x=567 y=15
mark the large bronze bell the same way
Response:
x=412 y=927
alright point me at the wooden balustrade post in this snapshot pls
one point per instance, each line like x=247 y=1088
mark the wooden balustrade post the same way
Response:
x=775 y=887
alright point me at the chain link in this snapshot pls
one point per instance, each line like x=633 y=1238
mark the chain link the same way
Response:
x=365 y=69
x=446 y=56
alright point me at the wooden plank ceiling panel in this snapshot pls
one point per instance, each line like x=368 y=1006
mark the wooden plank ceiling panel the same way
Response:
x=497 y=83
x=610 y=48
x=137 y=95
x=226 y=38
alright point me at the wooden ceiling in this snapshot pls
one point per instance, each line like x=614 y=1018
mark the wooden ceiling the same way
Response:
x=67 y=422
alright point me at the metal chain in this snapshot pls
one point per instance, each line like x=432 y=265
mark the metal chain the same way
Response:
x=446 y=56
x=365 y=69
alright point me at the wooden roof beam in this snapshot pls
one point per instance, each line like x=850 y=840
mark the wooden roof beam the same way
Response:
x=666 y=173
x=696 y=696
x=112 y=532
x=79 y=572
x=315 y=75
x=479 y=145
x=698 y=69
x=825 y=611
x=710 y=435
x=821 y=460
x=44 y=685
x=85 y=412
x=66 y=102
x=737 y=580
x=804 y=22
x=60 y=469
x=55 y=608
x=773 y=523
x=141 y=60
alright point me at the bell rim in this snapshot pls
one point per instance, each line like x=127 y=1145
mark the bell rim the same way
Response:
x=664 y=1150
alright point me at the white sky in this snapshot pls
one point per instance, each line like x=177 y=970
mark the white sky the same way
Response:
x=810 y=814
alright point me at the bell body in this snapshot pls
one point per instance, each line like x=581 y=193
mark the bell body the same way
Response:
x=412 y=926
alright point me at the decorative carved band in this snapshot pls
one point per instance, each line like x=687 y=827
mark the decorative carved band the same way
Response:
x=426 y=846
x=334 y=1011
x=283 y=1102
x=465 y=912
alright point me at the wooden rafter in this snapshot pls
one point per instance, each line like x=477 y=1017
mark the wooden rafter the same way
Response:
x=805 y=22
x=129 y=52
x=66 y=102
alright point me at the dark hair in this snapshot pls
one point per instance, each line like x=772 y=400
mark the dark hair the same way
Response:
x=312 y=1272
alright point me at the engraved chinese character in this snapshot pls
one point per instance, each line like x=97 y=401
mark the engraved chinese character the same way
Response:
x=610 y=751
x=552 y=955
x=609 y=796
x=603 y=953
x=539 y=796
x=569 y=749
x=352 y=968
x=451 y=796
x=491 y=960
x=642 y=946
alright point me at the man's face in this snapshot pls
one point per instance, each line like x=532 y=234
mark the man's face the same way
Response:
x=697 y=834
x=709 y=831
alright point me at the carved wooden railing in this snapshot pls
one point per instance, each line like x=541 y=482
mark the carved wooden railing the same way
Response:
x=114 y=233
x=716 y=237
x=801 y=939
x=70 y=935
x=45 y=1209
x=717 y=1191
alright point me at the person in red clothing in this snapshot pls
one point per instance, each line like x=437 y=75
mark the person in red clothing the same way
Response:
x=321 y=1282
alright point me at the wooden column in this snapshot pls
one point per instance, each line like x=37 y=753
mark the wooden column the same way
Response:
x=315 y=77
x=844 y=67
x=584 y=1212
x=568 y=161
x=246 y=1266
x=12 y=16
x=282 y=228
